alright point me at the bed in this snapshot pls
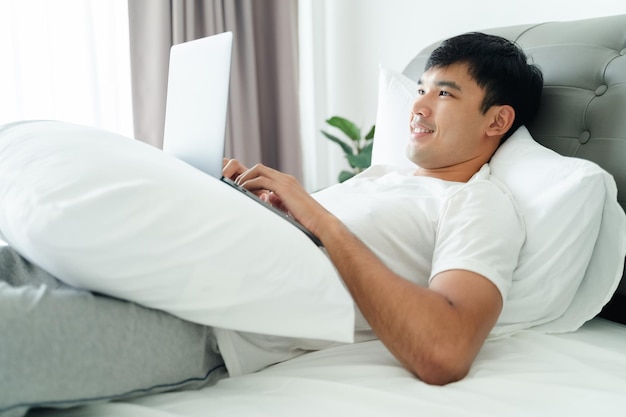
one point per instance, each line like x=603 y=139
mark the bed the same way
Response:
x=544 y=370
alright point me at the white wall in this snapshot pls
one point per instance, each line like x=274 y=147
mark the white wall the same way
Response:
x=351 y=38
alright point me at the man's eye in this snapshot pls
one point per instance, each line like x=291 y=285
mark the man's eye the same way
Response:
x=421 y=91
x=444 y=93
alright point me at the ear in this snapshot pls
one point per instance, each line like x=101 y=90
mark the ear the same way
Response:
x=502 y=118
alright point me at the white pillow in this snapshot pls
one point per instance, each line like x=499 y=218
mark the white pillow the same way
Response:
x=396 y=94
x=117 y=216
x=572 y=260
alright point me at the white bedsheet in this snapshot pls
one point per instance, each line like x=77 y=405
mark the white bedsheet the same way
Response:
x=528 y=374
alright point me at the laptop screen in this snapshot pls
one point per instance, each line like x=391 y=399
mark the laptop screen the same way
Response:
x=197 y=102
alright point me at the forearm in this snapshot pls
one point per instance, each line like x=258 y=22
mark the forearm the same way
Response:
x=421 y=327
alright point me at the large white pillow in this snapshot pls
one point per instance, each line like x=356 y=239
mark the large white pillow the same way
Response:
x=572 y=260
x=117 y=216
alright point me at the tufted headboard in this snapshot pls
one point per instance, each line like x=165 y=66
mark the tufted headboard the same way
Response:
x=583 y=109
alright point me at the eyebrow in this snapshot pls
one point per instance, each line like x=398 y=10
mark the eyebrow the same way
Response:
x=444 y=83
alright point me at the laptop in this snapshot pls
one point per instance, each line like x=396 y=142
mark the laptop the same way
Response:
x=196 y=110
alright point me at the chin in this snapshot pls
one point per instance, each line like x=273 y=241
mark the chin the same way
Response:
x=412 y=154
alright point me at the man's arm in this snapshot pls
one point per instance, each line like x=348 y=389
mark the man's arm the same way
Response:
x=434 y=332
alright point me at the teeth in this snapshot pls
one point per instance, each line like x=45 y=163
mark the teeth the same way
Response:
x=415 y=126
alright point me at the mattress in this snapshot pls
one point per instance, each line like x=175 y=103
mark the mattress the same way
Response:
x=527 y=374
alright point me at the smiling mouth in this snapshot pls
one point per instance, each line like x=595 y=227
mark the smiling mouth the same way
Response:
x=417 y=127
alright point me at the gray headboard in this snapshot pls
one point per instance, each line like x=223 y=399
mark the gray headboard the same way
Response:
x=583 y=109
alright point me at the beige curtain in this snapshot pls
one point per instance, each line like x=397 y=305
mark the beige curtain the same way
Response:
x=263 y=124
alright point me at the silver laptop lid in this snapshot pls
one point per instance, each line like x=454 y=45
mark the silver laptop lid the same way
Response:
x=197 y=101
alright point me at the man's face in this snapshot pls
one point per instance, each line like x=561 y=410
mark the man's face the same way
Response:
x=447 y=126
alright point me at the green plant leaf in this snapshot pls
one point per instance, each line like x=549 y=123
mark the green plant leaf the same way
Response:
x=345 y=175
x=370 y=134
x=346 y=126
x=347 y=149
x=359 y=152
x=361 y=160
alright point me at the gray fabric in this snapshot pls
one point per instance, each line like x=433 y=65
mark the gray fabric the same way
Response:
x=62 y=346
x=263 y=121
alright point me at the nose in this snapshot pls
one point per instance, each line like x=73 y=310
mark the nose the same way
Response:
x=420 y=107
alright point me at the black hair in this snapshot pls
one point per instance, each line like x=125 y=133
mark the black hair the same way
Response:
x=500 y=67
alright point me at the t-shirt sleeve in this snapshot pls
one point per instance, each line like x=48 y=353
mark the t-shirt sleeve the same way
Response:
x=480 y=230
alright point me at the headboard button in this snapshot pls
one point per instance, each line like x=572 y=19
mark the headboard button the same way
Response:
x=584 y=137
x=622 y=52
x=601 y=90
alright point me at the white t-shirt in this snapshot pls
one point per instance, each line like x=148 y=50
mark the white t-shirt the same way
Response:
x=419 y=227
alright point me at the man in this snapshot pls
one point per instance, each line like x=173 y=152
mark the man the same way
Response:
x=476 y=90
x=427 y=255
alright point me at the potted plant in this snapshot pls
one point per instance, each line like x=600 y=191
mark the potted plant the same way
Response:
x=357 y=148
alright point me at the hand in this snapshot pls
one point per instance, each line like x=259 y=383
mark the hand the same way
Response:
x=233 y=169
x=282 y=191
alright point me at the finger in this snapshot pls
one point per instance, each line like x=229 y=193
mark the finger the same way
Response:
x=259 y=171
x=250 y=174
x=265 y=196
x=277 y=202
x=232 y=168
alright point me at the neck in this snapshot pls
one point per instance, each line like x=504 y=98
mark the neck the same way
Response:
x=460 y=172
x=447 y=174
